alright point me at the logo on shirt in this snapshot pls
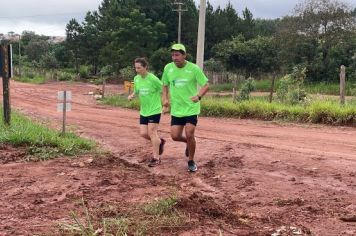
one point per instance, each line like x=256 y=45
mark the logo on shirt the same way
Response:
x=144 y=91
x=178 y=83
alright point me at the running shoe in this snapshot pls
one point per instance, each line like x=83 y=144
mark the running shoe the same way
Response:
x=192 y=167
x=154 y=162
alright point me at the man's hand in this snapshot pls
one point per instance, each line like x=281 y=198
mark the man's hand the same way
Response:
x=195 y=99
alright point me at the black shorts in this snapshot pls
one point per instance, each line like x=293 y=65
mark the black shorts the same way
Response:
x=144 y=120
x=184 y=120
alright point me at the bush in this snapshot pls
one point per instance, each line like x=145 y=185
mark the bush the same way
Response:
x=127 y=73
x=107 y=70
x=65 y=76
x=159 y=59
x=84 y=72
x=247 y=87
x=214 y=65
x=290 y=89
x=29 y=74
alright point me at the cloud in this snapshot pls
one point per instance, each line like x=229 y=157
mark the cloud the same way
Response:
x=40 y=28
x=44 y=17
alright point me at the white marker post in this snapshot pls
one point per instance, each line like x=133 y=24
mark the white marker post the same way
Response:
x=64 y=106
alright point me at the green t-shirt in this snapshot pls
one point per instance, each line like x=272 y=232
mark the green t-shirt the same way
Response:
x=149 y=91
x=183 y=84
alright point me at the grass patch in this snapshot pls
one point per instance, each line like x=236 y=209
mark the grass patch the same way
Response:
x=311 y=88
x=161 y=206
x=31 y=80
x=158 y=216
x=330 y=88
x=323 y=112
x=41 y=142
x=122 y=101
x=261 y=86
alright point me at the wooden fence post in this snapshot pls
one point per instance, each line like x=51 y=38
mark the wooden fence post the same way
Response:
x=272 y=88
x=103 y=79
x=342 y=84
x=6 y=62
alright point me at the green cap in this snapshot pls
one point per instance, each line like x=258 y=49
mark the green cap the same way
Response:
x=178 y=47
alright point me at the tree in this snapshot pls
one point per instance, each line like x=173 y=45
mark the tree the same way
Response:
x=248 y=56
x=63 y=55
x=248 y=24
x=49 y=61
x=36 y=48
x=223 y=24
x=159 y=59
x=133 y=36
x=327 y=23
x=90 y=38
x=74 y=39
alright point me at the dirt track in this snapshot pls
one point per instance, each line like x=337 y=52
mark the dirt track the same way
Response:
x=271 y=173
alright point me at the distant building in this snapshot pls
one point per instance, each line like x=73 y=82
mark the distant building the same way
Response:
x=10 y=36
x=15 y=37
x=56 y=39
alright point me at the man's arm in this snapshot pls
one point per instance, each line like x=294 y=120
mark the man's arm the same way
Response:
x=203 y=90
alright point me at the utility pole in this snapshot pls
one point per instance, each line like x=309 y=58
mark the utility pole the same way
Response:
x=179 y=3
x=201 y=34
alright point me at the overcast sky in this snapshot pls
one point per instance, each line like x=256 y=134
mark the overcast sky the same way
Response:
x=50 y=17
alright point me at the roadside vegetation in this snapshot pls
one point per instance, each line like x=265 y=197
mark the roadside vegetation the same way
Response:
x=318 y=111
x=157 y=216
x=264 y=85
x=291 y=102
x=40 y=142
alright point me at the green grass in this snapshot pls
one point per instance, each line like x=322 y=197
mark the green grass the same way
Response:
x=311 y=88
x=35 y=80
x=161 y=207
x=261 y=86
x=330 y=88
x=157 y=216
x=121 y=101
x=326 y=111
x=41 y=143
x=88 y=226
x=323 y=112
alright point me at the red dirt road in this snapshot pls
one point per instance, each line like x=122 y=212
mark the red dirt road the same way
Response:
x=271 y=174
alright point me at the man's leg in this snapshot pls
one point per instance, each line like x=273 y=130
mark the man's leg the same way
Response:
x=191 y=144
x=155 y=140
x=177 y=133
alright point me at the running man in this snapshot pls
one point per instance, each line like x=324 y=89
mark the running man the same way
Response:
x=181 y=79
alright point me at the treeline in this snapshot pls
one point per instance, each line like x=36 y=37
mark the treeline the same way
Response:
x=320 y=35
